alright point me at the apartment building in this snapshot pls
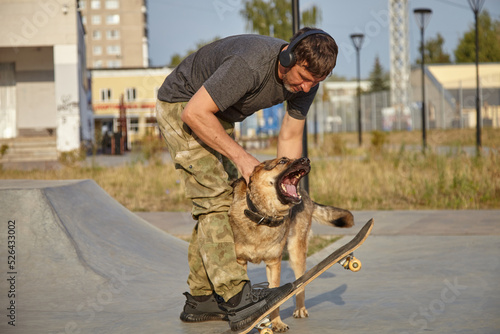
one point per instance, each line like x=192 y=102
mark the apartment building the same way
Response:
x=116 y=33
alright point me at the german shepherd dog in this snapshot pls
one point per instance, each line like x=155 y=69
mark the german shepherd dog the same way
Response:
x=273 y=211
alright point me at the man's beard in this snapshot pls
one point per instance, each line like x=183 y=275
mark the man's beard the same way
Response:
x=287 y=86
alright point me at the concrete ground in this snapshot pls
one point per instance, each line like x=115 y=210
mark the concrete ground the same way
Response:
x=85 y=264
x=422 y=271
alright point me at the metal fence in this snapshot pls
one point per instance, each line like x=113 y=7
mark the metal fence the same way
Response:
x=445 y=110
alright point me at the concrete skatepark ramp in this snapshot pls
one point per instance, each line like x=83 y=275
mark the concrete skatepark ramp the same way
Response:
x=73 y=260
x=82 y=263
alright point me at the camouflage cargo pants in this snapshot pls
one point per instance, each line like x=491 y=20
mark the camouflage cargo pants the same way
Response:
x=207 y=176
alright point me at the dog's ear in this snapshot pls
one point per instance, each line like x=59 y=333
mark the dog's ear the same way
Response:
x=269 y=164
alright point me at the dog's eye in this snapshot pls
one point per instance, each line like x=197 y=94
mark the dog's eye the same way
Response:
x=282 y=161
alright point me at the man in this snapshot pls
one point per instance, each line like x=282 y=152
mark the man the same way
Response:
x=222 y=83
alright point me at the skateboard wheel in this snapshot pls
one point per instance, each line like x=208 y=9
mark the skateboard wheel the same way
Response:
x=354 y=264
x=266 y=331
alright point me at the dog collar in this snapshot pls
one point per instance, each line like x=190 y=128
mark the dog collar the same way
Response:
x=253 y=214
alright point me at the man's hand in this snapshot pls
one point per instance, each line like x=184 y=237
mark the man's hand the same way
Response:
x=246 y=166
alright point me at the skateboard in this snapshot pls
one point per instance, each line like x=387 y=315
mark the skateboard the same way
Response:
x=343 y=255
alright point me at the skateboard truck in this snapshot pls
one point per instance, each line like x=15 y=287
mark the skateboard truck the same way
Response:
x=351 y=263
x=265 y=326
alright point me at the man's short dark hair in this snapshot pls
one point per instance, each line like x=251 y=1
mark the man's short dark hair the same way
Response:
x=317 y=53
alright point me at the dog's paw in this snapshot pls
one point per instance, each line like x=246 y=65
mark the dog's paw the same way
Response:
x=300 y=313
x=280 y=327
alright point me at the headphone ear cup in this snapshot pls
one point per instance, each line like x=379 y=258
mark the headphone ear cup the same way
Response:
x=286 y=58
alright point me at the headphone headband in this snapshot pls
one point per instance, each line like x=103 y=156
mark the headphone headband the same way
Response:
x=287 y=58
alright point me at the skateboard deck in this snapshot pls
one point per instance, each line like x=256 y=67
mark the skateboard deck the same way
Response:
x=344 y=252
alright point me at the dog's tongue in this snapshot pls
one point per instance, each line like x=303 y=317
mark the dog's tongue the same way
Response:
x=291 y=190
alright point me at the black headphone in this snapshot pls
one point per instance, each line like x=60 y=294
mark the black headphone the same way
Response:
x=287 y=58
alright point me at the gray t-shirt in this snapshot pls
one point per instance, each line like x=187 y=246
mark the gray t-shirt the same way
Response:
x=241 y=75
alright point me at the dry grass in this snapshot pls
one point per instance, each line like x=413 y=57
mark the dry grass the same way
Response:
x=374 y=177
x=368 y=178
x=408 y=181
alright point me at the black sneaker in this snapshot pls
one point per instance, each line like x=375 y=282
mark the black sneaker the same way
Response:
x=252 y=302
x=202 y=308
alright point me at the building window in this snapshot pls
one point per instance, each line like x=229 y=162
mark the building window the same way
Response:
x=130 y=94
x=113 y=34
x=113 y=19
x=95 y=4
x=97 y=50
x=134 y=125
x=84 y=20
x=82 y=4
x=105 y=94
x=114 y=63
x=96 y=35
x=96 y=19
x=113 y=49
x=97 y=64
x=112 y=4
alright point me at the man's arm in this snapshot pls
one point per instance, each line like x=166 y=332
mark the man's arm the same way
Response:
x=199 y=116
x=290 y=137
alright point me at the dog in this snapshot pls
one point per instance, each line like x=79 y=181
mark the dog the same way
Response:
x=272 y=211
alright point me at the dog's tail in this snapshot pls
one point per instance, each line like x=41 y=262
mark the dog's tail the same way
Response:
x=329 y=215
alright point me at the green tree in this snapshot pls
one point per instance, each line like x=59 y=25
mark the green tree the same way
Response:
x=176 y=59
x=274 y=18
x=434 y=53
x=489 y=41
x=379 y=80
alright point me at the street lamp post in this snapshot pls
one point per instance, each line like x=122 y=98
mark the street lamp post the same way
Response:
x=357 y=40
x=423 y=16
x=476 y=6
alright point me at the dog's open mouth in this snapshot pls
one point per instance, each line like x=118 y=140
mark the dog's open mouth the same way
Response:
x=289 y=180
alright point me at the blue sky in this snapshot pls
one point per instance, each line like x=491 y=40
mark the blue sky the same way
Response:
x=176 y=26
